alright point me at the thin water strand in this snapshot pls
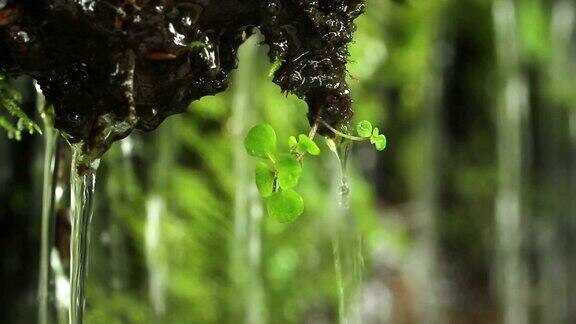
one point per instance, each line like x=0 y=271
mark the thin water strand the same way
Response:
x=510 y=209
x=554 y=285
x=155 y=206
x=61 y=287
x=60 y=272
x=247 y=293
x=83 y=181
x=156 y=213
x=346 y=246
x=45 y=277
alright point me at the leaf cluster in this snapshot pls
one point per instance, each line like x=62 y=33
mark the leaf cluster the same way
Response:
x=277 y=176
x=279 y=173
x=366 y=131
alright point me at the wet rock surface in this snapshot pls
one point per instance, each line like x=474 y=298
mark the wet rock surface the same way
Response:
x=112 y=66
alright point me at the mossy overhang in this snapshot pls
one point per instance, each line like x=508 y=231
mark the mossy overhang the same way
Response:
x=111 y=66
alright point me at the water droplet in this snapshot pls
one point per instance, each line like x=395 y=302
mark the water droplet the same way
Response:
x=88 y=5
x=76 y=118
x=187 y=21
x=177 y=38
x=274 y=7
x=210 y=54
x=23 y=36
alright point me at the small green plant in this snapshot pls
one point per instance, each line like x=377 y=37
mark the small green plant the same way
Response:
x=365 y=132
x=276 y=65
x=279 y=173
x=196 y=44
x=10 y=100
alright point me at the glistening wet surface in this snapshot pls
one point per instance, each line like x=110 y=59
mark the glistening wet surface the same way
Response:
x=112 y=66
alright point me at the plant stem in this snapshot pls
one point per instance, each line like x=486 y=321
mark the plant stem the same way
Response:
x=339 y=133
x=313 y=130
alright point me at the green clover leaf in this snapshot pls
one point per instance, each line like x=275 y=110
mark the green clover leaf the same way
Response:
x=374 y=135
x=292 y=143
x=306 y=144
x=285 y=206
x=261 y=141
x=379 y=142
x=265 y=179
x=289 y=171
x=364 y=129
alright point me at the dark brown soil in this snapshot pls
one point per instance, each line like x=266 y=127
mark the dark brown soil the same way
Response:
x=112 y=66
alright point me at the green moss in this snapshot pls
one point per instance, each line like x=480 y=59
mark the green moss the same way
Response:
x=10 y=101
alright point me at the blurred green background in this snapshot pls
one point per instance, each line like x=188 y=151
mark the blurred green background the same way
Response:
x=469 y=216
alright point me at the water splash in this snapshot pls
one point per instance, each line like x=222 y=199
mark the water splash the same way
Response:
x=346 y=245
x=82 y=182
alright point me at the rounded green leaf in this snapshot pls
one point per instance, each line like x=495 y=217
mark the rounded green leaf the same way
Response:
x=289 y=171
x=285 y=206
x=364 y=129
x=308 y=145
x=264 y=180
x=380 y=142
x=292 y=142
x=261 y=141
x=374 y=136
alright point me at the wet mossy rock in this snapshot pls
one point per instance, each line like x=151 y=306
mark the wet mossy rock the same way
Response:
x=112 y=66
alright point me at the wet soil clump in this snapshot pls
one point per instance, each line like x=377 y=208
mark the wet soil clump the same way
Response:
x=111 y=66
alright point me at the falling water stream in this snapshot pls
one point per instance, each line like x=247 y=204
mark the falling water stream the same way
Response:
x=156 y=212
x=45 y=293
x=45 y=278
x=511 y=211
x=82 y=182
x=346 y=246
x=247 y=298
x=555 y=287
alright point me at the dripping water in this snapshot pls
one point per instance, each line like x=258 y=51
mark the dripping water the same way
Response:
x=510 y=208
x=247 y=293
x=555 y=287
x=346 y=245
x=58 y=266
x=156 y=212
x=155 y=206
x=45 y=277
x=117 y=237
x=82 y=182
